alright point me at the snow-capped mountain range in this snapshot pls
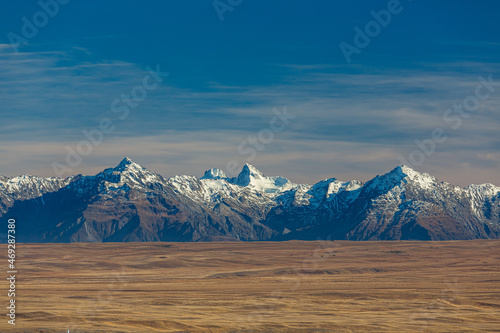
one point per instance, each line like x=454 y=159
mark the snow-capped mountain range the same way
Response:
x=131 y=203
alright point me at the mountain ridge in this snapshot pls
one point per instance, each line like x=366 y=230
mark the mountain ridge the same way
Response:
x=131 y=203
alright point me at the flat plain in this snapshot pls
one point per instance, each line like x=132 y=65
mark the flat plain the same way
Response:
x=331 y=286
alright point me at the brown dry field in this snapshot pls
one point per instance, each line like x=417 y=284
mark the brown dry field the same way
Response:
x=293 y=286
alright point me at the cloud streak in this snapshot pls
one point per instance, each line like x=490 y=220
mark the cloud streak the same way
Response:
x=348 y=125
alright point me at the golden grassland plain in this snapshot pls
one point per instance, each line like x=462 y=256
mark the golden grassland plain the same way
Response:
x=294 y=286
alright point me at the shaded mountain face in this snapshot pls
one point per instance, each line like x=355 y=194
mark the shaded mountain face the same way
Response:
x=131 y=203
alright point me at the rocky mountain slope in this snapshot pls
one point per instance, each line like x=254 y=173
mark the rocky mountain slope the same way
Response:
x=131 y=203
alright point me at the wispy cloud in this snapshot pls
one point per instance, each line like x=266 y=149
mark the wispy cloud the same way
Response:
x=347 y=124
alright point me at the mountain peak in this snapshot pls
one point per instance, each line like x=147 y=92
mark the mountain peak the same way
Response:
x=214 y=173
x=248 y=174
x=127 y=160
x=250 y=168
x=129 y=171
x=254 y=178
x=415 y=175
x=402 y=173
x=125 y=163
x=404 y=167
x=406 y=170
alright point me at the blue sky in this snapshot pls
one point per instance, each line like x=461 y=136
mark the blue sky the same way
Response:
x=351 y=120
